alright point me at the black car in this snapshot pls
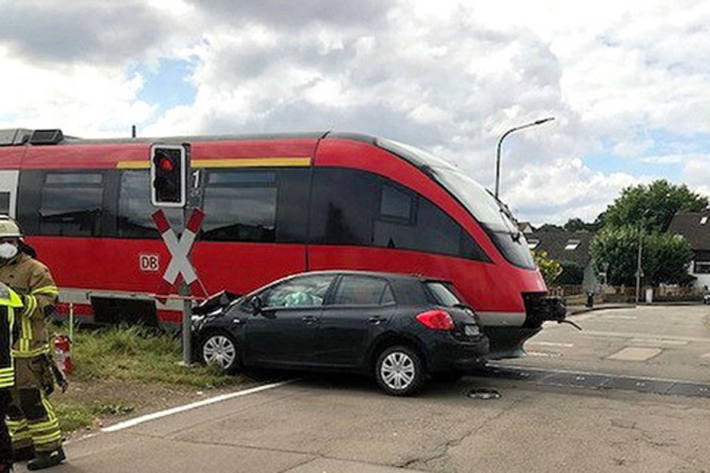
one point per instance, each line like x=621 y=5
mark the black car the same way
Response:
x=399 y=328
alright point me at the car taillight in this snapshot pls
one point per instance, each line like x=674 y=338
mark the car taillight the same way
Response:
x=436 y=320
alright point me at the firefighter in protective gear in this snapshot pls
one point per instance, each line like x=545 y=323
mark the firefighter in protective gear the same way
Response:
x=10 y=306
x=33 y=424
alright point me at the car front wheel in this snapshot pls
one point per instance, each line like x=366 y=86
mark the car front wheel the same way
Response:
x=399 y=371
x=220 y=349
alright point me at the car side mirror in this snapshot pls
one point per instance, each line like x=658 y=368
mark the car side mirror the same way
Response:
x=256 y=304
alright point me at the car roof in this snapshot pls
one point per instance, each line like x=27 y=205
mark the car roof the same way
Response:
x=381 y=274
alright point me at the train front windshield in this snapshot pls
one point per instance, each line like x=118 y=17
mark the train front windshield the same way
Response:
x=493 y=216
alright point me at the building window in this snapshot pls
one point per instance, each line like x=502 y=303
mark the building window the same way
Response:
x=71 y=204
x=572 y=245
x=532 y=244
x=702 y=267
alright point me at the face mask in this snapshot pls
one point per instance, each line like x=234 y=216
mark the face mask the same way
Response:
x=8 y=251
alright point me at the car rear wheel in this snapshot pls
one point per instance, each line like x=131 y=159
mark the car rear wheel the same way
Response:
x=220 y=349
x=399 y=371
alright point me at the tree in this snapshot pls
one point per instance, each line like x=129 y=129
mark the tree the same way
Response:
x=652 y=206
x=665 y=258
x=572 y=274
x=575 y=225
x=549 y=227
x=549 y=268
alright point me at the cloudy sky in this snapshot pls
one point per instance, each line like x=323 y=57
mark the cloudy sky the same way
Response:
x=628 y=82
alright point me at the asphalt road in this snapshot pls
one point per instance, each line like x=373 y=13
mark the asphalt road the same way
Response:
x=344 y=424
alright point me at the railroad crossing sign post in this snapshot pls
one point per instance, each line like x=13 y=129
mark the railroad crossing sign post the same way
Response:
x=174 y=185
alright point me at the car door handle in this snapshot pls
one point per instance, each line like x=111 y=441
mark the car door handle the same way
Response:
x=376 y=319
x=309 y=319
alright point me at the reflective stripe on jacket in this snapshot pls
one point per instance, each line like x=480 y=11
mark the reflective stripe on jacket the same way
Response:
x=9 y=301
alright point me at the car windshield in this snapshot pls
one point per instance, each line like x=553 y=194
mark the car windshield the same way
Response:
x=491 y=213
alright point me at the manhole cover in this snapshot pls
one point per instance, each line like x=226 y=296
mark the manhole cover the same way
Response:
x=485 y=394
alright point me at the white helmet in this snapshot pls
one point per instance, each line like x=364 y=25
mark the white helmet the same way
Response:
x=9 y=228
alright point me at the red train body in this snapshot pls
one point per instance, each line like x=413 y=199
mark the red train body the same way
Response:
x=275 y=205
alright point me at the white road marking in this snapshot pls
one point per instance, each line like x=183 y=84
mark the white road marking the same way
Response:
x=707 y=355
x=552 y=344
x=194 y=405
x=543 y=354
x=658 y=341
x=635 y=354
x=595 y=333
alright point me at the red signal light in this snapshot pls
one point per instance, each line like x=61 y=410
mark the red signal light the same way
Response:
x=436 y=320
x=166 y=164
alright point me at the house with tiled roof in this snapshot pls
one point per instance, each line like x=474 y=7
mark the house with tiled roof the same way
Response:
x=695 y=227
x=568 y=247
x=526 y=227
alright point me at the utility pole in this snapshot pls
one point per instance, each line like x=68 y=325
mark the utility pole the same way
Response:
x=639 y=271
x=500 y=142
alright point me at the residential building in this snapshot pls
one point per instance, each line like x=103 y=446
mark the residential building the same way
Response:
x=572 y=250
x=695 y=227
x=526 y=227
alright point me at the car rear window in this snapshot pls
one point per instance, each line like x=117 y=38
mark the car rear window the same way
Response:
x=355 y=290
x=443 y=294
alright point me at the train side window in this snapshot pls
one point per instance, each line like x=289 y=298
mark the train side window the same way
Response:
x=240 y=206
x=343 y=206
x=427 y=228
x=4 y=203
x=135 y=209
x=71 y=204
x=291 y=215
x=397 y=204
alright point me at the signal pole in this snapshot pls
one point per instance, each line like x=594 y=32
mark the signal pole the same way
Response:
x=184 y=288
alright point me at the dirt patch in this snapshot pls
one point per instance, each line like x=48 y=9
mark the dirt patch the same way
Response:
x=110 y=401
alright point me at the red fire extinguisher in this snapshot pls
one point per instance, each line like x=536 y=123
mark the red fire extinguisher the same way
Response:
x=62 y=351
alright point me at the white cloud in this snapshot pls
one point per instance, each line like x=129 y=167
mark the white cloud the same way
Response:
x=696 y=173
x=450 y=76
x=563 y=190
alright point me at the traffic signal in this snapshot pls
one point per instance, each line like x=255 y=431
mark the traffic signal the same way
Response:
x=168 y=175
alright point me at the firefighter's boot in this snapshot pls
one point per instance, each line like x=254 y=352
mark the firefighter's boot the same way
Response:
x=46 y=459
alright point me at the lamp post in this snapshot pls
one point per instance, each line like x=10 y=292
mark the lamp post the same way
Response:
x=639 y=255
x=500 y=141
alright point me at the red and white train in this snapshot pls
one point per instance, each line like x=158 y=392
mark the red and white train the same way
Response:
x=275 y=205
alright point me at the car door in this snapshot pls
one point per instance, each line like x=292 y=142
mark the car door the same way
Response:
x=358 y=310
x=284 y=331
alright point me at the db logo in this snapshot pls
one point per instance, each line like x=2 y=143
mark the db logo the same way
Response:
x=148 y=263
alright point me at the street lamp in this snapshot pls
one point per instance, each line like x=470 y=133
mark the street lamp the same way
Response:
x=500 y=141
